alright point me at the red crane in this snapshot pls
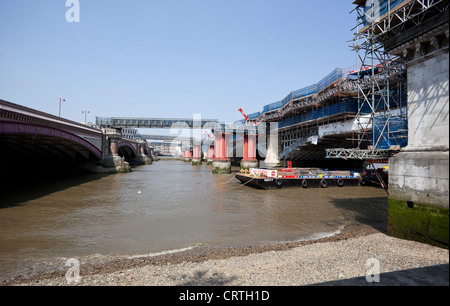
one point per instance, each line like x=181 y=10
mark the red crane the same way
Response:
x=245 y=116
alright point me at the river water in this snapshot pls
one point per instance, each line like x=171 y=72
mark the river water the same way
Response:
x=169 y=205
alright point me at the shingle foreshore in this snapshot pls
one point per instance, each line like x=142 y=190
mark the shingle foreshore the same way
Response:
x=345 y=256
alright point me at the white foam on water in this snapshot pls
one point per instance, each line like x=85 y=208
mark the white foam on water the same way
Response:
x=162 y=253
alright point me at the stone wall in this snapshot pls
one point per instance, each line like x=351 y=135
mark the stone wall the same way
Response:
x=419 y=174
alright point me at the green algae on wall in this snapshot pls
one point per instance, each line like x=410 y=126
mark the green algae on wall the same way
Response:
x=419 y=222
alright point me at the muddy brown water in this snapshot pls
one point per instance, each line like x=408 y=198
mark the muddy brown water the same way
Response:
x=167 y=206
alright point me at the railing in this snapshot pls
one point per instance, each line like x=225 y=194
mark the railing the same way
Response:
x=300 y=142
x=382 y=7
x=152 y=122
x=337 y=74
x=335 y=109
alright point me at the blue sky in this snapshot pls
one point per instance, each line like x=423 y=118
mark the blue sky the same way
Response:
x=168 y=58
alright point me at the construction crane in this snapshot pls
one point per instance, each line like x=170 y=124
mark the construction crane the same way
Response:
x=246 y=117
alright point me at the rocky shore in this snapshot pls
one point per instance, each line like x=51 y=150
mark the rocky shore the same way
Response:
x=343 y=256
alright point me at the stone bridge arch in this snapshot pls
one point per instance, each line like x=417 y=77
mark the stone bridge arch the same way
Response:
x=127 y=150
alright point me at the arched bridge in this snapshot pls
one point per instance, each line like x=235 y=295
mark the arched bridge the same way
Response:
x=46 y=142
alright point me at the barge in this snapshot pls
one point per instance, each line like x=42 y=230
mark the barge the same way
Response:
x=298 y=177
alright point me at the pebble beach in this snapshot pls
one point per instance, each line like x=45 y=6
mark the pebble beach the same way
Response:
x=345 y=256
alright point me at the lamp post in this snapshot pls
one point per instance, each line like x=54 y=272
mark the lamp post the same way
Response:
x=85 y=112
x=63 y=100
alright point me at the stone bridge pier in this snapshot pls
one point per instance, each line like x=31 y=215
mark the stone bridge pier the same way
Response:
x=419 y=174
x=121 y=153
x=143 y=154
x=111 y=157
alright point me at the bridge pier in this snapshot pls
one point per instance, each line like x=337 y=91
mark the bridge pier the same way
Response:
x=210 y=158
x=152 y=154
x=197 y=154
x=419 y=174
x=142 y=158
x=187 y=155
x=249 y=159
x=112 y=161
x=272 y=160
x=222 y=162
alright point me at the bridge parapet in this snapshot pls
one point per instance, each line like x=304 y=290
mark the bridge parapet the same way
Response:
x=54 y=137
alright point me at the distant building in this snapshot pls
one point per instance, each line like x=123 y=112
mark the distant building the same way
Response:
x=167 y=148
x=130 y=133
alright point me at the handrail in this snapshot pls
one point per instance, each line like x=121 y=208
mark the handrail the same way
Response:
x=335 y=75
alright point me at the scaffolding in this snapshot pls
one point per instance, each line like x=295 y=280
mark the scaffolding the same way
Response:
x=381 y=77
x=379 y=81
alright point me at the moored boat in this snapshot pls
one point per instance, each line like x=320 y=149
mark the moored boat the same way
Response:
x=298 y=177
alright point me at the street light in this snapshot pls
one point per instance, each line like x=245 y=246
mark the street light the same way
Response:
x=85 y=112
x=63 y=100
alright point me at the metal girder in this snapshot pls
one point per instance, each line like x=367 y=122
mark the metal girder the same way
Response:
x=396 y=17
x=358 y=154
x=153 y=122
x=165 y=138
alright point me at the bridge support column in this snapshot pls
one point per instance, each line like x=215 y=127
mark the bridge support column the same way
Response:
x=112 y=160
x=152 y=154
x=142 y=158
x=272 y=160
x=197 y=154
x=249 y=159
x=419 y=174
x=222 y=163
x=210 y=155
x=187 y=154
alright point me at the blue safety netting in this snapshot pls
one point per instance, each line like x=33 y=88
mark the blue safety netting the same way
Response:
x=337 y=74
x=390 y=132
x=254 y=116
x=350 y=107
x=397 y=99
x=377 y=8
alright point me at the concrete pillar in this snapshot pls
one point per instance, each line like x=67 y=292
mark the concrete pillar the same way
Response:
x=252 y=147
x=218 y=146
x=210 y=155
x=249 y=160
x=224 y=146
x=197 y=154
x=187 y=155
x=245 y=157
x=221 y=164
x=272 y=160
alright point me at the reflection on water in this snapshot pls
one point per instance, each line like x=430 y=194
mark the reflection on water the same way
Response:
x=164 y=206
